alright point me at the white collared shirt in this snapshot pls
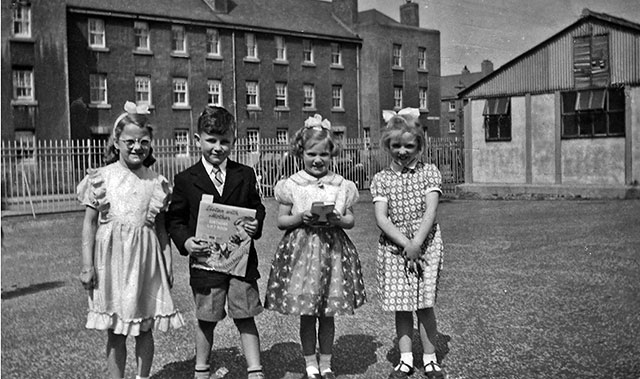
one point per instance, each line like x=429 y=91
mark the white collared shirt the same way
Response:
x=210 y=170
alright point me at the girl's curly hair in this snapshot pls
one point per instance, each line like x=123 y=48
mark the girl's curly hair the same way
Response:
x=305 y=135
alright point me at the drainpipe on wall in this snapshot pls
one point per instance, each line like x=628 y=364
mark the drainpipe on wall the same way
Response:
x=360 y=131
x=235 y=84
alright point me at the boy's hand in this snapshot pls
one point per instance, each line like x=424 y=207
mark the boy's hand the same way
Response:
x=251 y=227
x=197 y=247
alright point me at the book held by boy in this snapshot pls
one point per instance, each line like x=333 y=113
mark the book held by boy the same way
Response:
x=322 y=209
x=223 y=227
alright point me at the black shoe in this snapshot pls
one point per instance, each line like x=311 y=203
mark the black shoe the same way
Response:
x=328 y=375
x=436 y=371
x=399 y=374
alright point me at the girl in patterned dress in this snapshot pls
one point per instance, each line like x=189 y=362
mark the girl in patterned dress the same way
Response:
x=316 y=272
x=126 y=256
x=405 y=197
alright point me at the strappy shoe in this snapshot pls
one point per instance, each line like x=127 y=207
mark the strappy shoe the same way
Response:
x=399 y=374
x=436 y=371
x=328 y=375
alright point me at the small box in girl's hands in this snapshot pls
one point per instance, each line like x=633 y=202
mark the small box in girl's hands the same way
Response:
x=322 y=209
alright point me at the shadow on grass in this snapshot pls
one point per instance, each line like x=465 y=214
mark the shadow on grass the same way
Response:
x=34 y=288
x=441 y=344
x=352 y=354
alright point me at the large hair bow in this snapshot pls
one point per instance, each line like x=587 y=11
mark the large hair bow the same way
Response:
x=132 y=108
x=316 y=122
x=409 y=114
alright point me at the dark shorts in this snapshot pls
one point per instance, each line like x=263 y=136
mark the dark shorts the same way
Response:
x=242 y=299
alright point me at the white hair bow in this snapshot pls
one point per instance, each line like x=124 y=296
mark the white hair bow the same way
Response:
x=132 y=108
x=409 y=114
x=316 y=122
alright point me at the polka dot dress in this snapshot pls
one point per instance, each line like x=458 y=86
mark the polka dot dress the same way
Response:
x=405 y=194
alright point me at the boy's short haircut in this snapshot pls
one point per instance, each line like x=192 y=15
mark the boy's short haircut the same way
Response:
x=216 y=120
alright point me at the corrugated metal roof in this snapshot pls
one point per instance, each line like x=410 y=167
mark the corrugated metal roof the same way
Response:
x=548 y=66
x=297 y=16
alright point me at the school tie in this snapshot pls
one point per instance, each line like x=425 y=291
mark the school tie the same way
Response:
x=217 y=176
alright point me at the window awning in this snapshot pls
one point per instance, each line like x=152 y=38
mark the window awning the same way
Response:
x=498 y=106
x=592 y=99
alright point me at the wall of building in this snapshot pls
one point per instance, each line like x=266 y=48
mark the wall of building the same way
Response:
x=634 y=127
x=593 y=161
x=543 y=139
x=504 y=161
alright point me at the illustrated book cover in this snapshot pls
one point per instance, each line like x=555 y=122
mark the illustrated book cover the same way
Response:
x=223 y=227
x=322 y=209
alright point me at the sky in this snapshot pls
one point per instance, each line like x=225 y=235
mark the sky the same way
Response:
x=498 y=30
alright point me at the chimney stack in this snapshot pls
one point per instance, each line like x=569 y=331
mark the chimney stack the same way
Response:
x=410 y=14
x=220 y=6
x=486 y=67
x=346 y=11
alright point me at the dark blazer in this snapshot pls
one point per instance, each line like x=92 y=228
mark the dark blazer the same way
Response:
x=240 y=189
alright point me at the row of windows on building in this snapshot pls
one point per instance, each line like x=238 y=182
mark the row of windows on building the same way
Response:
x=142 y=41
x=585 y=114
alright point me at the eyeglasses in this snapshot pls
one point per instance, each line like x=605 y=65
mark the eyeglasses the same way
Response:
x=130 y=143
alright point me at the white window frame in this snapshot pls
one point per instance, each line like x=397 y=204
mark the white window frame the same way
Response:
x=141 y=36
x=397 y=55
x=180 y=92
x=336 y=97
x=307 y=51
x=253 y=94
x=423 y=95
x=253 y=140
x=252 y=45
x=97 y=34
x=281 y=48
x=452 y=105
x=178 y=39
x=282 y=136
x=422 y=58
x=182 y=142
x=21 y=16
x=452 y=126
x=214 y=92
x=143 y=90
x=366 y=138
x=282 y=95
x=336 y=54
x=397 y=97
x=309 y=97
x=213 y=42
x=23 y=85
x=98 y=89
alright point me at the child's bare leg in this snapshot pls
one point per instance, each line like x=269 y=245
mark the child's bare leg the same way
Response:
x=308 y=340
x=204 y=341
x=116 y=354
x=326 y=335
x=404 y=331
x=144 y=353
x=428 y=329
x=250 y=341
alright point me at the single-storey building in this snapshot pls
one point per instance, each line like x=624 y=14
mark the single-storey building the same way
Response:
x=561 y=119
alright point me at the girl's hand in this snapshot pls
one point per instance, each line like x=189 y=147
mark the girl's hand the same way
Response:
x=412 y=251
x=251 y=227
x=88 y=278
x=334 y=218
x=309 y=218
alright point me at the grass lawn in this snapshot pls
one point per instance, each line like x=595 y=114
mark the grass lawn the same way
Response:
x=530 y=289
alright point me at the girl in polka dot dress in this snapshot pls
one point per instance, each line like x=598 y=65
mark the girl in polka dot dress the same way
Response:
x=316 y=272
x=405 y=197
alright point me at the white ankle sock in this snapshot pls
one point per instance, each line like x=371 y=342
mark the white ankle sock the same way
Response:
x=427 y=358
x=406 y=358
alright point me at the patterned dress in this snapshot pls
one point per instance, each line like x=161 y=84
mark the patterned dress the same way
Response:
x=405 y=194
x=132 y=292
x=316 y=270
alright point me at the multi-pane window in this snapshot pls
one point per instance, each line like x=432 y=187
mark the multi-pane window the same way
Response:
x=180 y=92
x=309 y=96
x=213 y=42
x=282 y=137
x=253 y=139
x=422 y=58
x=252 y=45
x=336 y=54
x=397 y=97
x=22 y=20
x=397 y=55
x=593 y=113
x=23 y=84
x=182 y=143
x=214 y=91
x=281 y=95
x=452 y=126
x=141 y=33
x=143 y=90
x=253 y=94
x=307 y=51
x=452 y=105
x=423 y=97
x=178 y=39
x=497 y=119
x=96 y=33
x=98 y=88
x=281 y=48
x=336 y=97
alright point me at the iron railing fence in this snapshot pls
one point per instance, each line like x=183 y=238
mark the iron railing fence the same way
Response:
x=41 y=176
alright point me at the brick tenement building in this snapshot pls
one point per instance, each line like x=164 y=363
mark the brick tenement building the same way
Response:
x=69 y=65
